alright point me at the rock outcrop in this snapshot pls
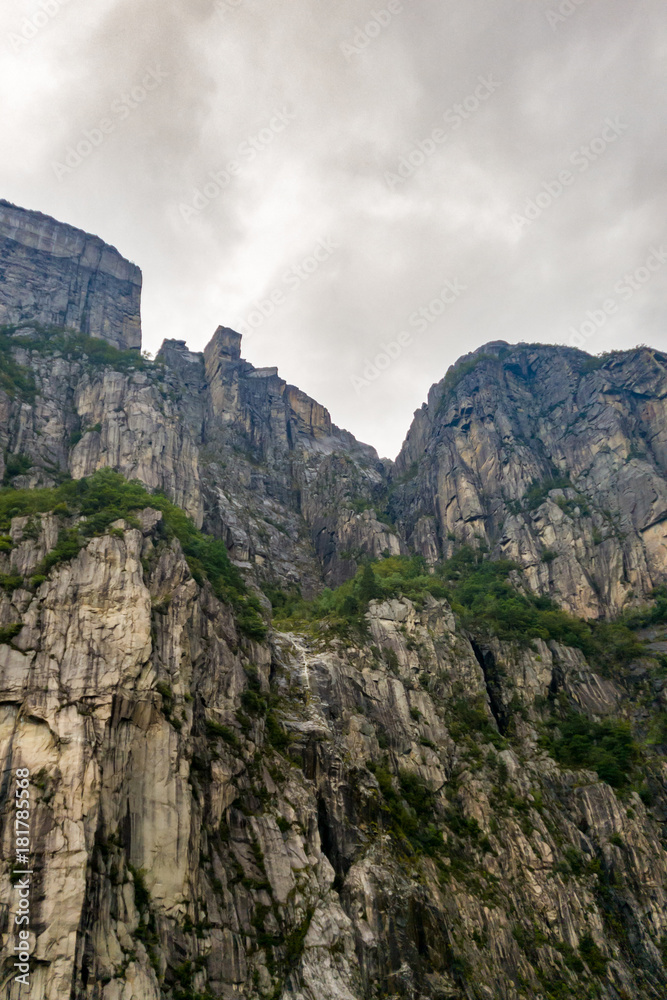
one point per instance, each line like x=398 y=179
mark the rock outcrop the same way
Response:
x=187 y=843
x=392 y=797
x=56 y=275
x=550 y=458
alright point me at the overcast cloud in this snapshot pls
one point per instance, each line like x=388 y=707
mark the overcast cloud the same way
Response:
x=305 y=111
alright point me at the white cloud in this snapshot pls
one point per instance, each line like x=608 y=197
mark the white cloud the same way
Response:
x=324 y=175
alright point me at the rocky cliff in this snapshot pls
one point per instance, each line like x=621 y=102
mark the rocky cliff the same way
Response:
x=54 y=274
x=551 y=458
x=303 y=724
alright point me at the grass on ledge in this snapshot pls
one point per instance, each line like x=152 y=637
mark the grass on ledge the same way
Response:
x=482 y=595
x=106 y=497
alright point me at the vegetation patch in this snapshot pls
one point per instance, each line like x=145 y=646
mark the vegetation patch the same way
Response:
x=455 y=375
x=9 y=632
x=605 y=747
x=70 y=344
x=15 y=379
x=409 y=804
x=106 y=497
x=342 y=611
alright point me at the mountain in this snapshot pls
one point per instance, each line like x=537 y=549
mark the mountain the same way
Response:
x=302 y=723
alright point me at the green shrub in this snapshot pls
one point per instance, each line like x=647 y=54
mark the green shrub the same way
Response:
x=16 y=465
x=15 y=379
x=480 y=592
x=410 y=809
x=141 y=895
x=592 y=956
x=472 y=717
x=216 y=730
x=342 y=611
x=78 y=346
x=107 y=496
x=278 y=738
x=539 y=490
x=253 y=703
x=69 y=545
x=605 y=747
x=9 y=632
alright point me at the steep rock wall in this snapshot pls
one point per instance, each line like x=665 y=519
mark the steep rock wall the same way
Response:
x=553 y=459
x=54 y=274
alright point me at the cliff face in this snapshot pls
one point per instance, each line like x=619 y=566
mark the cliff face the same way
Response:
x=551 y=458
x=53 y=274
x=424 y=786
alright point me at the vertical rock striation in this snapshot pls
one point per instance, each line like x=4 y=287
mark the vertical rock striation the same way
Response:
x=55 y=275
x=391 y=798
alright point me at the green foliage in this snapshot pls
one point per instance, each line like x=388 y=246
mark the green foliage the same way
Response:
x=77 y=347
x=295 y=940
x=218 y=731
x=471 y=717
x=369 y=586
x=276 y=736
x=458 y=373
x=606 y=747
x=652 y=614
x=15 y=465
x=253 y=703
x=539 y=490
x=592 y=956
x=9 y=632
x=15 y=379
x=141 y=895
x=69 y=545
x=342 y=611
x=107 y=496
x=480 y=592
x=410 y=809
x=482 y=595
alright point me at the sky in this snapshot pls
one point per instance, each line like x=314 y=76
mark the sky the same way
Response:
x=365 y=191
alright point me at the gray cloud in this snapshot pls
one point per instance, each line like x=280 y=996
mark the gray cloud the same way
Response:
x=352 y=118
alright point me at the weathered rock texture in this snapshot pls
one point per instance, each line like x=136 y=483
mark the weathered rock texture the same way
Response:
x=54 y=274
x=589 y=434
x=170 y=850
x=215 y=817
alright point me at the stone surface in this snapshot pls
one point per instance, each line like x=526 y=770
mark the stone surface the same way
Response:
x=56 y=275
x=215 y=817
x=505 y=419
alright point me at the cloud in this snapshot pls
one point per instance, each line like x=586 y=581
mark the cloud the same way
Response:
x=231 y=67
